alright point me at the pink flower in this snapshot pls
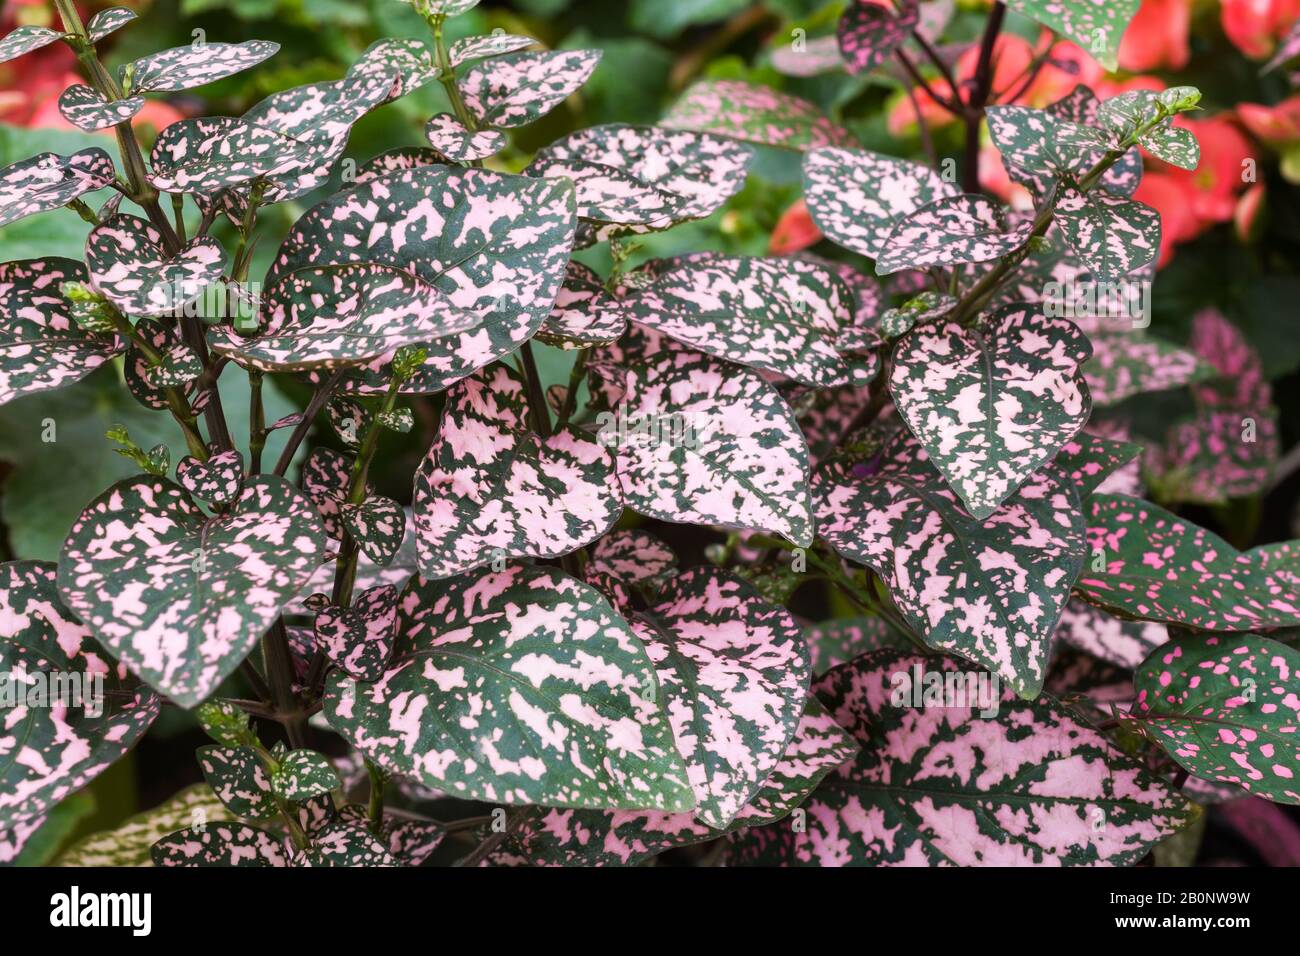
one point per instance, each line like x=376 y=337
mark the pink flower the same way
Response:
x=1255 y=26
x=1157 y=37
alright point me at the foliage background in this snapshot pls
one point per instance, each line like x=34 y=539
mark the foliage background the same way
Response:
x=1248 y=268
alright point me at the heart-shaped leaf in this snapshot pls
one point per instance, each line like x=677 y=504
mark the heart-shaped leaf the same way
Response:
x=952 y=230
x=108 y=21
x=72 y=713
x=494 y=244
x=1113 y=236
x=41 y=345
x=220 y=844
x=1122 y=643
x=734 y=672
x=756 y=114
x=1175 y=145
x=1149 y=565
x=446 y=134
x=25 y=39
x=140 y=372
x=185 y=67
x=483 y=47
x=323 y=317
x=518 y=88
x=87 y=109
x=643 y=178
x=210 y=153
x=326 y=477
x=360 y=638
x=240 y=781
x=181 y=597
x=344 y=844
x=868 y=34
x=48 y=181
x=818 y=55
x=409 y=60
x=216 y=480
x=585 y=314
x=1096 y=27
x=1225 y=708
x=926 y=307
x=519 y=686
x=377 y=525
x=992 y=404
x=1128 y=364
x=490 y=488
x=778 y=315
x=1241 y=382
x=701 y=442
x=130 y=268
x=856 y=198
x=304 y=774
x=990 y=590
x=939 y=785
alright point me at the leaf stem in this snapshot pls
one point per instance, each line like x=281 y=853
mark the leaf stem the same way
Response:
x=318 y=400
x=375 y=810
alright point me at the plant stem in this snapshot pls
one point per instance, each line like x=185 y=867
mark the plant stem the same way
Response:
x=177 y=403
x=318 y=400
x=447 y=76
x=576 y=375
x=279 y=671
x=375 y=811
x=536 y=396
x=256 y=422
x=978 y=99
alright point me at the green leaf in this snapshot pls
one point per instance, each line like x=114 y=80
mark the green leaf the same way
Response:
x=519 y=686
x=1224 y=707
x=1173 y=144
x=1097 y=27
x=238 y=778
x=302 y=775
x=129 y=843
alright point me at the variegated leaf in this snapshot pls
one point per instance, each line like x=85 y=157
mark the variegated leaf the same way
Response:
x=992 y=404
x=409 y=60
x=734 y=664
x=108 y=21
x=517 y=88
x=41 y=345
x=1086 y=461
x=344 y=844
x=360 y=638
x=25 y=39
x=185 y=67
x=926 y=307
x=1175 y=145
x=220 y=844
x=701 y=442
x=1113 y=236
x=818 y=55
x=129 y=843
x=777 y=315
x=1216 y=456
x=633 y=557
x=398 y=160
x=324 y=317
x=989 y=590
x=181 y=597
x=210 y=153
x=377 y=525
x=490 y=488
x=446 y=134
x=1133 y=363
x=47 y=181
x=483 y=47
x=1150 y=565
x=519 y=686
x=494 y=244
x=87 y=109
x=326 y=476
x=842 y=639
x=949 y=231
x=756 y=114
x=1096 y=27
x=869 y=33
x=303 y=774
x=936 y=785
x=130 y=268
x=216 y=480
x=856 y=198
x=69 y=712
x=644 y=178
x=585 y=314
x=238 y=778
x=1106 y=637
x=1225 y=707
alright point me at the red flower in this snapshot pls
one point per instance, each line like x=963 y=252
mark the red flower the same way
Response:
x=794 y=231
x=1255 y=26
x=1156 y=38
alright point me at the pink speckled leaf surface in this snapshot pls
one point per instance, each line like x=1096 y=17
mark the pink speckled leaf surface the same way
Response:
x=517 y=88
x=949 y=231
x=185 y=67
x=756 y=114
x=869 y=33
x=47 y=181
x=130 y=268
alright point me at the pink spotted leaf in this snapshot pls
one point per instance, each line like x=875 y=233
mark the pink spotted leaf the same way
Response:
x=217 y=480
x=377 y=525
x=130 y=268
x=1106 y=637
x=491 y=488
x=87 y=109
x=989 y=590
x=345 y=844
x=239 y=779
x=181 y=597
x=843 y=638
x=1097 y=27
x=585 y=314
x=41 y=345
x=24 y=40
x=517 y=88
x=486 y=46
x=755 y=114
x=1113 y=236
x=868 y=33
x=185 y=67
x=1224 y=707
x=994 y=403
x=359 y=638
x=53 y=747
x=220 y=844
x=446 y=134
x=208 y=154
x=949 y=231
x=409 y=60
x=326 y=476
x=47 y=181
x=108 y=21
x=303 y=774
x=1086 y=461
x=634 y=557
x=516 y=686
